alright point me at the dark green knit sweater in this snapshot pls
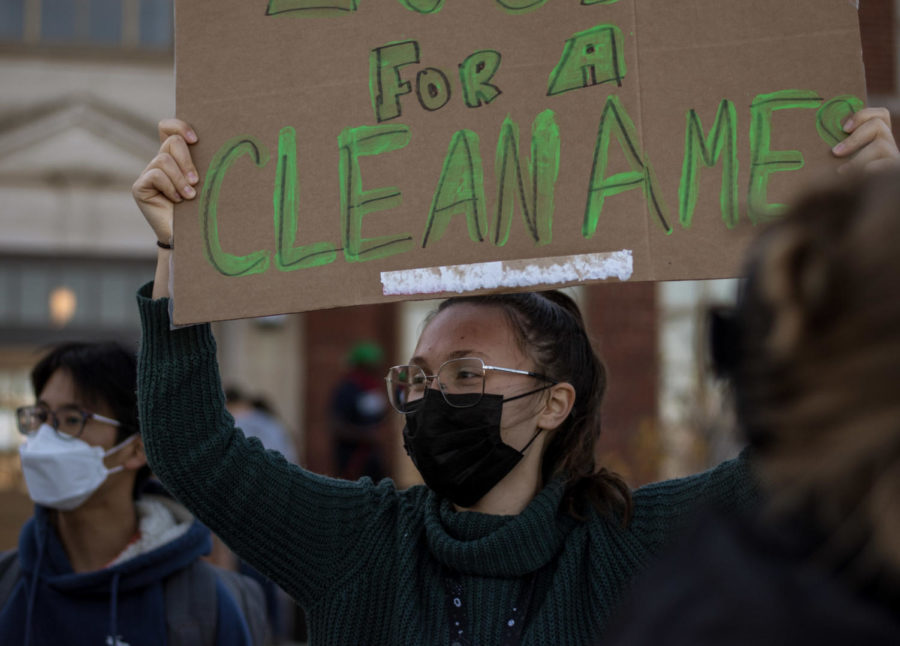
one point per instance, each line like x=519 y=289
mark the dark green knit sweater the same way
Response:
x=366 y=561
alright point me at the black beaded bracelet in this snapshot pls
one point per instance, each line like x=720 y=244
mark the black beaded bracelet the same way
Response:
x=163 y=245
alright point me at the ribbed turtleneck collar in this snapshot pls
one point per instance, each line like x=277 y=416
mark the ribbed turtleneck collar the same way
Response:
x=483 y=544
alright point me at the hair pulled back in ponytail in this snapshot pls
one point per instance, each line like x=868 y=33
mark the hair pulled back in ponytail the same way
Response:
x=550 y=330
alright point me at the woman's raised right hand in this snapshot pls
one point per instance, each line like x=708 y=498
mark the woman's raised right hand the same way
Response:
x=168 y=179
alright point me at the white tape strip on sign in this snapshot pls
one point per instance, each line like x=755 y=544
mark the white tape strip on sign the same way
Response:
x=508 y=273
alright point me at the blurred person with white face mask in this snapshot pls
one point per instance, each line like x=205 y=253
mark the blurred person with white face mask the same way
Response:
x=106 y=551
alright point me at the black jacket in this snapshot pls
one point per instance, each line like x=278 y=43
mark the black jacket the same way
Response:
x=739 y=581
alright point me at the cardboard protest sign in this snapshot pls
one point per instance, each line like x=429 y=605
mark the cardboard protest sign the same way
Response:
x=362 y=151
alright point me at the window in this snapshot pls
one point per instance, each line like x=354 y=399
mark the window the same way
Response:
x=130 y=24
x=156 y=23
x=48 y=300
x=12 y=19
x=696 y=417
x=15 y=391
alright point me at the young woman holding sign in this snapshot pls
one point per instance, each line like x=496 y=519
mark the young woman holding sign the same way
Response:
x=517 y=537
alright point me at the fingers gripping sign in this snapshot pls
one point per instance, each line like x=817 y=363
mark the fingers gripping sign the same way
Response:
x=870 y=143
x=169 y=178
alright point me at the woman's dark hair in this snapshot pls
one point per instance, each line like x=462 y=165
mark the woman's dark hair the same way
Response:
x=550 y=330
x=102 y=373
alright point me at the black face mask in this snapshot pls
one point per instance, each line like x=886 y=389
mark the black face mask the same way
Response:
x=458 y=451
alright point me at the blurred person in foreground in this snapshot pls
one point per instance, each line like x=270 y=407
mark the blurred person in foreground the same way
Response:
x=813 y=355
x=109 y=559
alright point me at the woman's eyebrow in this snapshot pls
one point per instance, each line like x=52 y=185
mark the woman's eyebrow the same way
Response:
x=456 y=354
x=459 y=354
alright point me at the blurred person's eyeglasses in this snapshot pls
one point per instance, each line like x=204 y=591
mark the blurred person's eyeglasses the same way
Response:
x=67 y=421
x=407 y=384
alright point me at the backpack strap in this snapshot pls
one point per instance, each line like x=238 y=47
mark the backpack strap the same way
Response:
x=10 y=572
x=192 y=605
x=191 y=610
x=251 y=599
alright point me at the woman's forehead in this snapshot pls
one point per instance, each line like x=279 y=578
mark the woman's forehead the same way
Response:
x=468 y=329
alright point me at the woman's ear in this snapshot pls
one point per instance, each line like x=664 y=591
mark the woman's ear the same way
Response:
x=557 y=406
x=135 y=458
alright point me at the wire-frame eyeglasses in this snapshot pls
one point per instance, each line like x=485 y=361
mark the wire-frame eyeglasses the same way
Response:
x=407 y=384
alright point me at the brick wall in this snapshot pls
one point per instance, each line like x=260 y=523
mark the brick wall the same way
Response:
x=877 y=30
x=623 y=320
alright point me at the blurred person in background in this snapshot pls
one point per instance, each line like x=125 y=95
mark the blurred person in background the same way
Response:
x=109 y=558
x=255 y=417
x=358 y=406
x=813 y=355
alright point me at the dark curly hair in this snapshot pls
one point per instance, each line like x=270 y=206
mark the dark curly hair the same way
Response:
x=817 y=359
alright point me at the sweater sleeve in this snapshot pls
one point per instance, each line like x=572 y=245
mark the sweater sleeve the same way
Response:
x=304 y=531
x=664 y=509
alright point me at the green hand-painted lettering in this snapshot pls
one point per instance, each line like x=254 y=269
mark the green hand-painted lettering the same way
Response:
x=535 y=189
x=226 y=263
x=615 y=120
x=831 y=116
x=385 y=85
x=311 y=8
x=520 y=6
x=285 y=199
x=357 y=203
x=722 y=137
x=475 y=74
x=423 y=6
x=590 y=57
x=326 y=8
x=460 y=189
x=763 y=161
x=432 y=88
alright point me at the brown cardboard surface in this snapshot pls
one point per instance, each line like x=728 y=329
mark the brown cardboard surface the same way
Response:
x=251 y=73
